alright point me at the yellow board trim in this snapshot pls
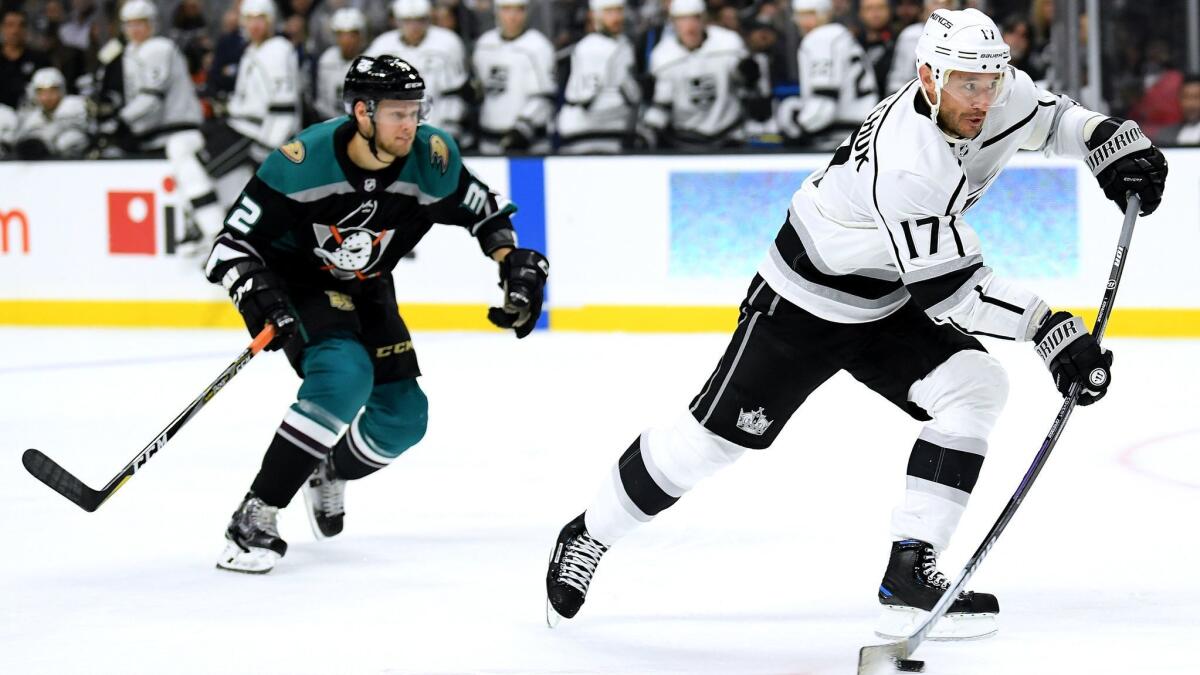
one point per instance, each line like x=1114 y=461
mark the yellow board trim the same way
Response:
x=202 y=314
x=1128 y=322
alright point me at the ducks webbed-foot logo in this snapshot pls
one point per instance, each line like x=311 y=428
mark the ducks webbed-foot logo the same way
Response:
x=351 y=248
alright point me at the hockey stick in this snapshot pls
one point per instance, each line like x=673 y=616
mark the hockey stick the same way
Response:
x=64 y=483
x=871 y=657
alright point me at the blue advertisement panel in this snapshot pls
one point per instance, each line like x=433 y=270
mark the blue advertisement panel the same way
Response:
x=723 y=222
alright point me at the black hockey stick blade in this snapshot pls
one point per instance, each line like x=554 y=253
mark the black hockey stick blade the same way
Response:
x=64 y=483
x=60 y=480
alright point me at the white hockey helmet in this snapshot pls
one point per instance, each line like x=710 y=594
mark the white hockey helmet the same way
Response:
x=348 y=20
x=965 y=40
x=411 y=9
x=687 y=8
x=819 y=6
x=511 y=3
x=133 y=10
x=48 y=78
x=258 y=8
x=600 y=5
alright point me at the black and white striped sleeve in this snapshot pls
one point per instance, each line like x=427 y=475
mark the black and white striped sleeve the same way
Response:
x=941 y=261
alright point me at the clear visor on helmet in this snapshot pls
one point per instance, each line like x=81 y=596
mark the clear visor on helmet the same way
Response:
x=986 y=90
x=400 y=109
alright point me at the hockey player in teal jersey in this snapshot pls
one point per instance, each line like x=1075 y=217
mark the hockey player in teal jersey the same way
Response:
x=309 y=247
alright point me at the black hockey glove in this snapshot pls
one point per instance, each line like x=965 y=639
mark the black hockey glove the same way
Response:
x=258 y=295
x=749 y=70
x=523 y=275
x=1071 y=353
x=1123 y=160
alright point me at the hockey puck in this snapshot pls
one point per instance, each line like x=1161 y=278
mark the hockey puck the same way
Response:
x=910 y=665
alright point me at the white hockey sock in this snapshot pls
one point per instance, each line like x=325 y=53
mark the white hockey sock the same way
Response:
x=663 y=464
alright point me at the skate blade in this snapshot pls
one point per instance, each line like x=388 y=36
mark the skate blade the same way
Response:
x=254 y=561
x=897 y=623
x=552 y=617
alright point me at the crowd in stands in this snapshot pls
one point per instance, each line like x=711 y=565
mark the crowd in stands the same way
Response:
x=512 y=76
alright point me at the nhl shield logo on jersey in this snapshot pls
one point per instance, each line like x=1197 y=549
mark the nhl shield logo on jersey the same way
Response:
x=350 y=248
x=753 y=422
x=439 y=154
x=293 y=151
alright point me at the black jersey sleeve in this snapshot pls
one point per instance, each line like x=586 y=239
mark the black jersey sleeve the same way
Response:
x=256 y=226
x=465 y=200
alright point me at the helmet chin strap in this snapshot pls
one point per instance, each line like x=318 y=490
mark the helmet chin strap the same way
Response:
x=370 y=139
x=936 y=105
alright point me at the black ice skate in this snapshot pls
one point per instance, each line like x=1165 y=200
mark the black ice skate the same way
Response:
x=911 y=587
x=325 y=496
x=572 y=565
x=253 y=544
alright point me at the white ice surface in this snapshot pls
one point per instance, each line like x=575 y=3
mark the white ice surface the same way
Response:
x=769 y=567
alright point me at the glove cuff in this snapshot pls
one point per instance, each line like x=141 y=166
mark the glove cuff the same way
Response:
x=1110 y=142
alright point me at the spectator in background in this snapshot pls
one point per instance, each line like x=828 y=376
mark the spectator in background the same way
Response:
x=439 y=56
x=876 y=36
x=295 y=29
x=57 y=126
x=349 y=26
x=1187 y=132
x=222 y=74
x=727 y=18
x=842 y=11
x=837 y=85
x=906 y=13
x=602 y=93
x=1017 y=34
x=904 y=61
x=515 y=65
x=1159 y=105
x=766 y=46
x=704 y=83
x=18 y=60
x=71 y=62
x=1041 y=49
x=76 y=31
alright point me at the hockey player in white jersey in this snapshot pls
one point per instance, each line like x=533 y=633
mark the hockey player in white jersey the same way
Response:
x=349 y=27
x=602 y=93
x=837 y=84
x=515 y=65
x=161 y=111
x=56 y=126
x=264 y=110
x=878 y=272
x=440 y=56
x=699 y=84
